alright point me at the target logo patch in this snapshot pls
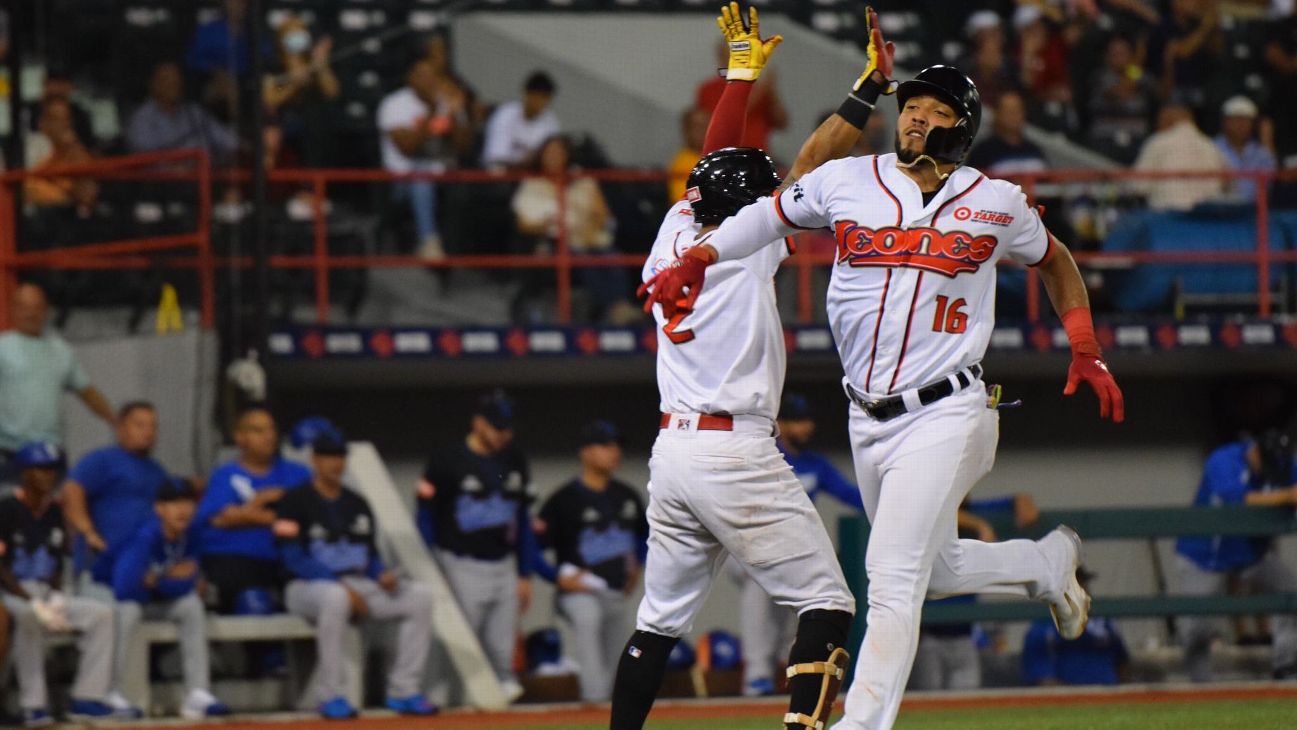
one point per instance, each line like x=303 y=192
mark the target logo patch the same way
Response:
x=963 y=213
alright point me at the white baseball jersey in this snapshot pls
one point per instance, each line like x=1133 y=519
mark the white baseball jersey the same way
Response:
x=727 y=355
x=912 y=296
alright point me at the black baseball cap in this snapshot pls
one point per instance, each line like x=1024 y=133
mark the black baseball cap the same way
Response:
x=329 y=444
x=497 y=408
x=599 y=432
x=174 y=490
x=794 y=407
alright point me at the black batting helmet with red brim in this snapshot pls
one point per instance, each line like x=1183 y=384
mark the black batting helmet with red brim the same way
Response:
x=952 y=87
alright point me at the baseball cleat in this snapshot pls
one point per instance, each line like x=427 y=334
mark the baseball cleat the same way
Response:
x=1072 y=609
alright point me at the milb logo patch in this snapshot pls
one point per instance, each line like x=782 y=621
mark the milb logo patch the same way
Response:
x=948 y=253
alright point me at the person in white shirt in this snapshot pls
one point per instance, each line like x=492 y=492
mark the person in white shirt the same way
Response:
x=1179 y=145
x=517 y=128
x=421 y=126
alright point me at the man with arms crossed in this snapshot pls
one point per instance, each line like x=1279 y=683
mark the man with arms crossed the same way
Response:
x=718 y=482
x=911 y=306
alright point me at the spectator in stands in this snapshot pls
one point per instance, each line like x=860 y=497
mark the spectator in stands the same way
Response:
x=1242 y=147
x=1121 y=102
x=54 y=146
x=693 y=129
x=39 y=367
x=326 y=533
x=166 y=121
x=33 y=547
x=597 y=529
x=1043 y=67
x=1184 y=48
x=108 y=495
x=232 y=526
x=986 y=61
x=437 y=53
x=1097 y=656
x=766 y=112
x=423 y=126
x=516 y=129
x=1254 y=471
x=300 y=95
x=472 y=510
x=1178 y=145
x=156 y=576
x=58 y=85
x=1007 y=152
x=222 y=44
x=586 y=223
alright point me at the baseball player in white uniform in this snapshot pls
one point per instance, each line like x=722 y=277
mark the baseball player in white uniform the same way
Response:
x=719 y=485
x=911 y=306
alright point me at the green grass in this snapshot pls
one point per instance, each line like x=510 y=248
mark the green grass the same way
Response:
x=1255 y=714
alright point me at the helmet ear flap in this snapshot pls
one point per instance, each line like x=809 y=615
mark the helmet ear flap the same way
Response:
x=950 y=144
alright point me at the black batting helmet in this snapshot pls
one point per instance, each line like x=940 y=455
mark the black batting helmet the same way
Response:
x=728 y=179
x=951 y=86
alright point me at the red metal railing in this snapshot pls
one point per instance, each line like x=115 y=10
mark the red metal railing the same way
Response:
x=168 y=165
x=127 y=254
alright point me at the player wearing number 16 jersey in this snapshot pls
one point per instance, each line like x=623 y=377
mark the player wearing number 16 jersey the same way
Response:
x=718 y=483
x=911 y=306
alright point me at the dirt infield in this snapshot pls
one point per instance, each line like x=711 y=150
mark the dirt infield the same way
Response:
x=570 y=715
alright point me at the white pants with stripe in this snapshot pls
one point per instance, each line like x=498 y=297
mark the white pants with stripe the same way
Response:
x=913 y=471
x=713 y=493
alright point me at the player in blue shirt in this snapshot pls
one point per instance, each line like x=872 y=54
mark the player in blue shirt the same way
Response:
x=232 y=526
x=327 y=533
x=156 y=576
x=1098 y=656
x=763 y=625
x=108 y=495
x=1254 y=471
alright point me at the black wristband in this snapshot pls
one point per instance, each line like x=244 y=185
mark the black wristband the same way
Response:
x=859 y=104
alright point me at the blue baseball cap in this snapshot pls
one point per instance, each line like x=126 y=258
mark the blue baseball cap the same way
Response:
x=306 y=431
x=174 y=490
x=497 y=408
x=599 y=432
x=329 y=444
x=39 y=455
x=794 y=407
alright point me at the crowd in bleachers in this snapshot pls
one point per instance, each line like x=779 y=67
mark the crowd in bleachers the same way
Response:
x=374 y=85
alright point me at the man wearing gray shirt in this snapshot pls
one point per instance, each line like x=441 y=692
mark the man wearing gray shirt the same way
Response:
x=36 y=367
x=166 y=121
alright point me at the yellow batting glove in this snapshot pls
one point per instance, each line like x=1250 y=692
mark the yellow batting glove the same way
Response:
x=748 y=51
x=880 y=54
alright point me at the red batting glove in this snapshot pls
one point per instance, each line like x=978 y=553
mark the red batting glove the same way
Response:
x=1093 y=370
x=1088 y=365
x=677 y=286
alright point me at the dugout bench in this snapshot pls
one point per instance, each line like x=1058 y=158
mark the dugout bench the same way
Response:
x=1148 y=523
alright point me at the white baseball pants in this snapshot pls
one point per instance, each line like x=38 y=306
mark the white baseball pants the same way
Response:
x=913 y=472
x=93 y=622
x=718 y=492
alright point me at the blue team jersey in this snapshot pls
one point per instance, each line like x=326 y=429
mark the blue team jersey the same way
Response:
x=119 y=487
x=1227 y=479
x=1092 y=658
x=818 y=475
x=231 y=484
x=150 y=551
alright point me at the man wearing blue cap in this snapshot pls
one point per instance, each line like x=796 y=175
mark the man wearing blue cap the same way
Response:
x=472 y=509
x=33 y=545
x=597 y=529
x=326 y=533
x=156 y=576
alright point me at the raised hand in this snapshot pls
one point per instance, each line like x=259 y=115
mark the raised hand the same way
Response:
x=749 y=52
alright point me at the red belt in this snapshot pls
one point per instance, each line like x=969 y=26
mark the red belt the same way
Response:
x=706 y=422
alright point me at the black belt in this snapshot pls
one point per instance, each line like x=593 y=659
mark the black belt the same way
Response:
x=885 y=409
